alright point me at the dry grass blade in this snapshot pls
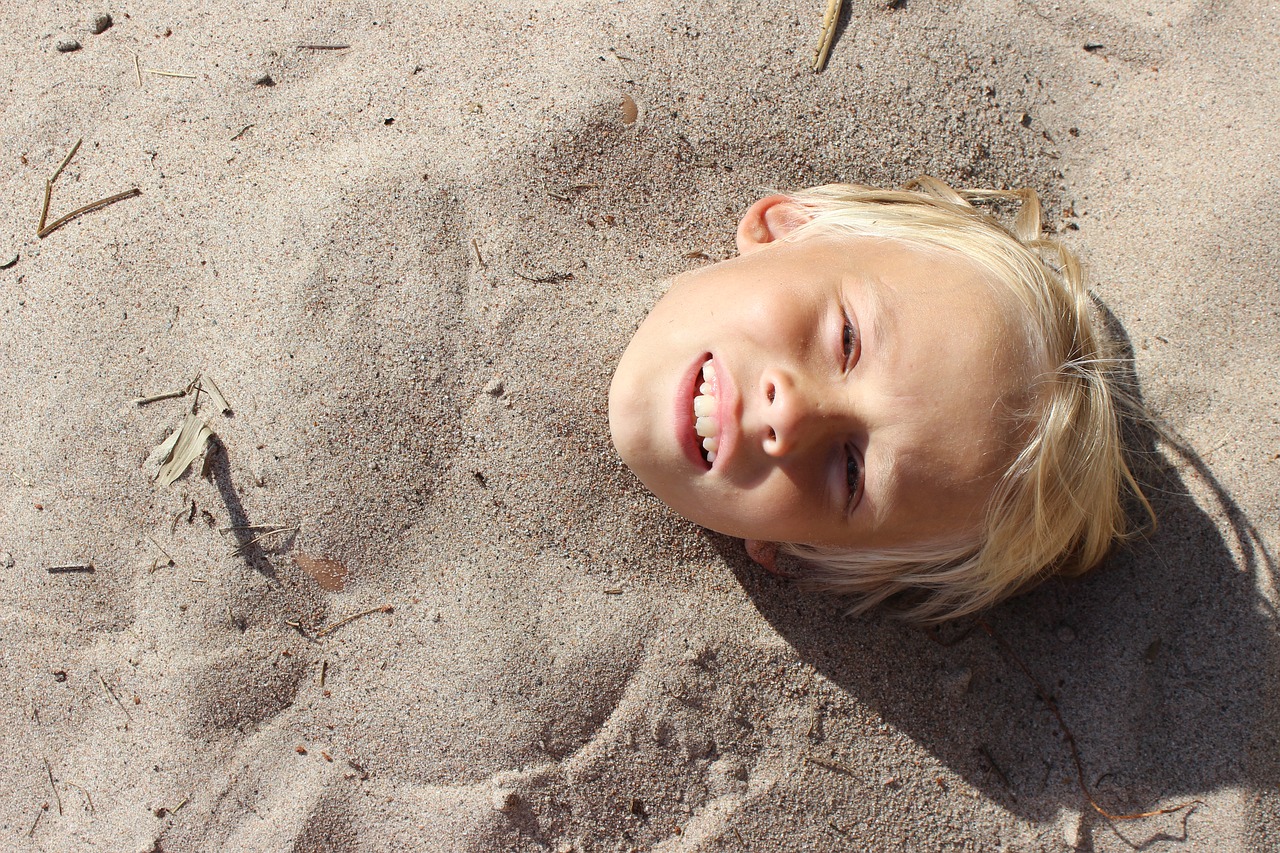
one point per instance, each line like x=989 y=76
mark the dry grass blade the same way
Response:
x=159 y=72
x=186 y=443
x=211 y=388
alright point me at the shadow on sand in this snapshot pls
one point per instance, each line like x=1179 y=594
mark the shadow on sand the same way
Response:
x=1162 y=662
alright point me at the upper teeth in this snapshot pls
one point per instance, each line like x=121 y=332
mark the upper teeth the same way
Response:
x=705 y=406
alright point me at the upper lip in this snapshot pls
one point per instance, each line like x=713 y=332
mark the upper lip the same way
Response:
x=727 y=408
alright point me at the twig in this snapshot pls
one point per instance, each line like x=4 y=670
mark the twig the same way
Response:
x=479 y=257
x=1070 y=737
x=112 y=694
x=67 y=159
x=56 y=795
x=323 y=46
x=156 y=398
x=162 y=73
x=324 y=671
x=386 y=608
x=829 y=20
x=54 y=226
x=74 y=567
x=137 y=67
x=175 y=809
x=242 y=132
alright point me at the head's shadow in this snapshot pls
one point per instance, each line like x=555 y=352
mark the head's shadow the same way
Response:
x=1162 y=662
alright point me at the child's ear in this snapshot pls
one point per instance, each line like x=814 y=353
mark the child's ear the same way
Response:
x=763 y=554
x=771 y=218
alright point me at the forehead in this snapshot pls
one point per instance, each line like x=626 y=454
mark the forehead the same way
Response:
x=952 y=364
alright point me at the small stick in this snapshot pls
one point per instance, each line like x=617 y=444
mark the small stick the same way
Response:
x=112 y=694
x=161 y=73
x=67 y=159
x=175 y=809
x=56 y=795
x=242 y=132
x=44 y=209
x=156 y=398
x=54 y=226
x=324 y=670
x=829 y=19
x=479 y=257
x=74 y=567
x=137 y=67
x=323 y=46
x=386 y=608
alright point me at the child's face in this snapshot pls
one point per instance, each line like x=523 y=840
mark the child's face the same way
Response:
x=855 y=397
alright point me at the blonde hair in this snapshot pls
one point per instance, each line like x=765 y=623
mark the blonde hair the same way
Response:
x=1064 y=499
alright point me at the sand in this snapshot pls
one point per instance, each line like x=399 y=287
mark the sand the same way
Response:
x=410 y=265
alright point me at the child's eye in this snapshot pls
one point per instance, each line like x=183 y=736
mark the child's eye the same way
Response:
x=853 y=474
x=849 y=343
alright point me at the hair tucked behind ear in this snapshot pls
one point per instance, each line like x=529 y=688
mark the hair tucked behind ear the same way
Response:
x=1064 y=499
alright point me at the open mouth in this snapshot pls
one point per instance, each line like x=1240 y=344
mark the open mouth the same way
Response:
x=705 y=413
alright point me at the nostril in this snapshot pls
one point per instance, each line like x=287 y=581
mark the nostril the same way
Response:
x=771 y=392
x=773 y=436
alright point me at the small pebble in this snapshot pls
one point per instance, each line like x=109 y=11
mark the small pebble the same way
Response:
x=494 y=387
x=504 y=800
x=68 y=46
x=100 y=24
x=7 y=559
x=264 y=80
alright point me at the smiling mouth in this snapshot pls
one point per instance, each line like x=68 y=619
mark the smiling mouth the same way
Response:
x=706 y=425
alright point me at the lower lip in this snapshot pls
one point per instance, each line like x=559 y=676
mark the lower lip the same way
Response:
x=685 y=435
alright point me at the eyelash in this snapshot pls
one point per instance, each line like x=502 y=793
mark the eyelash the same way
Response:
x=853 y=475
x=848 y=342
x=849 y=346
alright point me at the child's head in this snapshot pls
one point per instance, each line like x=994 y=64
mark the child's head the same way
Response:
x=894 y=387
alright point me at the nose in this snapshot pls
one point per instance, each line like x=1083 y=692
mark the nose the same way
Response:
x=795 y=413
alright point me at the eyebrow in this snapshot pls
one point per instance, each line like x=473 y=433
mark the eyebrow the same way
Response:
x=882 y=339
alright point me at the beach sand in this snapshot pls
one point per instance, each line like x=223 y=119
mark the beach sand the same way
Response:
x=410 y=265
